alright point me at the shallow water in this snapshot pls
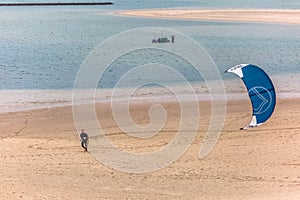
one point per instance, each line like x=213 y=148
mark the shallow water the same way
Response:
x=42 y=49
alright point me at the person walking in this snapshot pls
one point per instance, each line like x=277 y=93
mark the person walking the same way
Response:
x=84 y=140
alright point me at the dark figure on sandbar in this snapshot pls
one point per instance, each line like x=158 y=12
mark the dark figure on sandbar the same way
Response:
x=84 y=139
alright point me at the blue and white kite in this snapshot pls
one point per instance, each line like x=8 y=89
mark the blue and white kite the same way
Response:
x=260 y=90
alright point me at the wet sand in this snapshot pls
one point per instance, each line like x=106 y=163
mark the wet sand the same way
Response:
x=41 y=157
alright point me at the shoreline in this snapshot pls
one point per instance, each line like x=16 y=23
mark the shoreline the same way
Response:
x=160 y=98
x=280 y=16
x=21 y=100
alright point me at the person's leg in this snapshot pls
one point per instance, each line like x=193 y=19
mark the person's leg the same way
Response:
x=85 y=146
x=82 y=145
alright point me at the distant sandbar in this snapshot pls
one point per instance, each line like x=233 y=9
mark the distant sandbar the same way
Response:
x=244 y=15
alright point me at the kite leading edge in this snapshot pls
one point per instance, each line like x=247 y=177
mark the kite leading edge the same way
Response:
x=260 y=90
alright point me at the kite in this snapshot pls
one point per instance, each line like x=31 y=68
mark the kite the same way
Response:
x=260 y=90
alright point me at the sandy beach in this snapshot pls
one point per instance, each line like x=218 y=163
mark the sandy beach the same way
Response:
x=239 y=15
x=41 y=157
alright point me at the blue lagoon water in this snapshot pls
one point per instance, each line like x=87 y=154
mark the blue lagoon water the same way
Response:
x=42 y=48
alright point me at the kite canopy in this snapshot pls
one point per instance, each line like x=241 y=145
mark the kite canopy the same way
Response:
x=260 y=90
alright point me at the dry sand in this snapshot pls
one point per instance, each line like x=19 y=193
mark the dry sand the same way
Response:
x=41 y=157
x=258 y=15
